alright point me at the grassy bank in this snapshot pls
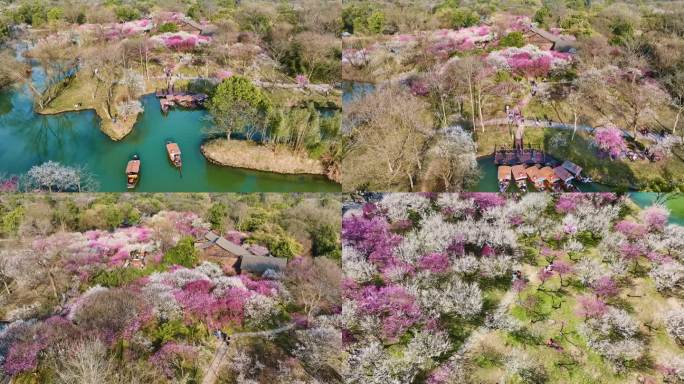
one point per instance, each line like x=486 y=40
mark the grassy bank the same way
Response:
x=84 y=94
x=250 y=155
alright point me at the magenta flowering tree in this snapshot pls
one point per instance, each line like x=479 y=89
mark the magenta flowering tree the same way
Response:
x=371 y=236
x=395 y=307
x=631 y=229
x=9 y=184
x=610 y=140
x=484 y=201
x=444 y=42
x=631 y=251
x=222 y=75
x=434 y=262
x=655 y=217
x=567 y=203
x=591 y=307
x=302 y=80
x=605 y=287
x=529 y=61
x=181 y=41
x=544 y=275
x=22 y=357
x=562 y=268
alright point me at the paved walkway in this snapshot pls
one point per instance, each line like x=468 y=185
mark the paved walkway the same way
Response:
x=217 y=361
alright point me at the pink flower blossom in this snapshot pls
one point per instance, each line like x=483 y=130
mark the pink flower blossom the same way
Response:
x=655 y=217
x=519 y=285
x=631 y=229
x=605 y=287
x=544 y=274
x=591 y=307
x=302 y=80
x=434 y=262
x=395 y=306
x=371 y=236
x=610 y=140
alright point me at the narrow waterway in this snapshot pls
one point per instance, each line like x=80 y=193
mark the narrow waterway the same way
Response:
x=675 y=205
x=75 y=139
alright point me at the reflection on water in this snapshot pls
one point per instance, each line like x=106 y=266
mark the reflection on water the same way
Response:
x=354 y=89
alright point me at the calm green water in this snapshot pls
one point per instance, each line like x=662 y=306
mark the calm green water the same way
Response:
x=354 y=89
x=74 y=138
x=675 y=205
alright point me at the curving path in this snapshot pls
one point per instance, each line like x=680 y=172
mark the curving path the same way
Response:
x=217 y=361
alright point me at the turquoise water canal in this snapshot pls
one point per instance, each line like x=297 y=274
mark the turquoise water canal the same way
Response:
x=75 y=139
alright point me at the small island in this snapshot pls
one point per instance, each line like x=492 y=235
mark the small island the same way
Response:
x=111 y=59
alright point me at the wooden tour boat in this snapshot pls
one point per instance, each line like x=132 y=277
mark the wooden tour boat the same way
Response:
x=133 y=172
x=565 y=178
x=536 y=178
x=504 y=177
x=550 y=179
x=520 y=177
x=174 y=153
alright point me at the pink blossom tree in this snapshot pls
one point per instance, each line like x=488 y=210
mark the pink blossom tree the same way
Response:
x=605 y=287
x=591 y=307
x=609 y=139
x=655 y=217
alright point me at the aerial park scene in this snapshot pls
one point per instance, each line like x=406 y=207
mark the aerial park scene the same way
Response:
x=219 y=98
x=513 y=96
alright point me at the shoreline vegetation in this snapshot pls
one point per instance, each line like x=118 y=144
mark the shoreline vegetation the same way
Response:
x=266 y=72
x=74 y=99
x=250 y=155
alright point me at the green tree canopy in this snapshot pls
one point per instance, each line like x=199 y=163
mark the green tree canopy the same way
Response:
x=238 y=106
x=184 y=254
x=513 y=39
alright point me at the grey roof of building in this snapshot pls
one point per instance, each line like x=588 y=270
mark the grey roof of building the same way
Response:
x=260 y=264
x=227 y=245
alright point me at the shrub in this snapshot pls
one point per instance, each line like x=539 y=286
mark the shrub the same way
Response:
x=325 y=241
x=184 y=253
x=168 y=27
x=217 y=215
x=124 y=13
x=513 y=39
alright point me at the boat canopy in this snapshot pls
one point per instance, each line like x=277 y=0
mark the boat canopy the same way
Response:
x=572 y=167
x=533 y=174
x=173 y=149
x=548 y=174
x=504 y=172
x=519 y=172
x=133 y=166
x=563 y=174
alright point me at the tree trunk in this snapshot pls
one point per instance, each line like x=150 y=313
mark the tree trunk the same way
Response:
x=472 y=100
x=479 y=110
x=674 y=126
x=575 y=129
x=53 y=285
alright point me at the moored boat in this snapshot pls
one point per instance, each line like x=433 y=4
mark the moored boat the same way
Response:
x=504 y=176
x=133 y=172
x=536 y=178
x=550 y=179
x=173 y=150
x=565 y=178
x=520 y=177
